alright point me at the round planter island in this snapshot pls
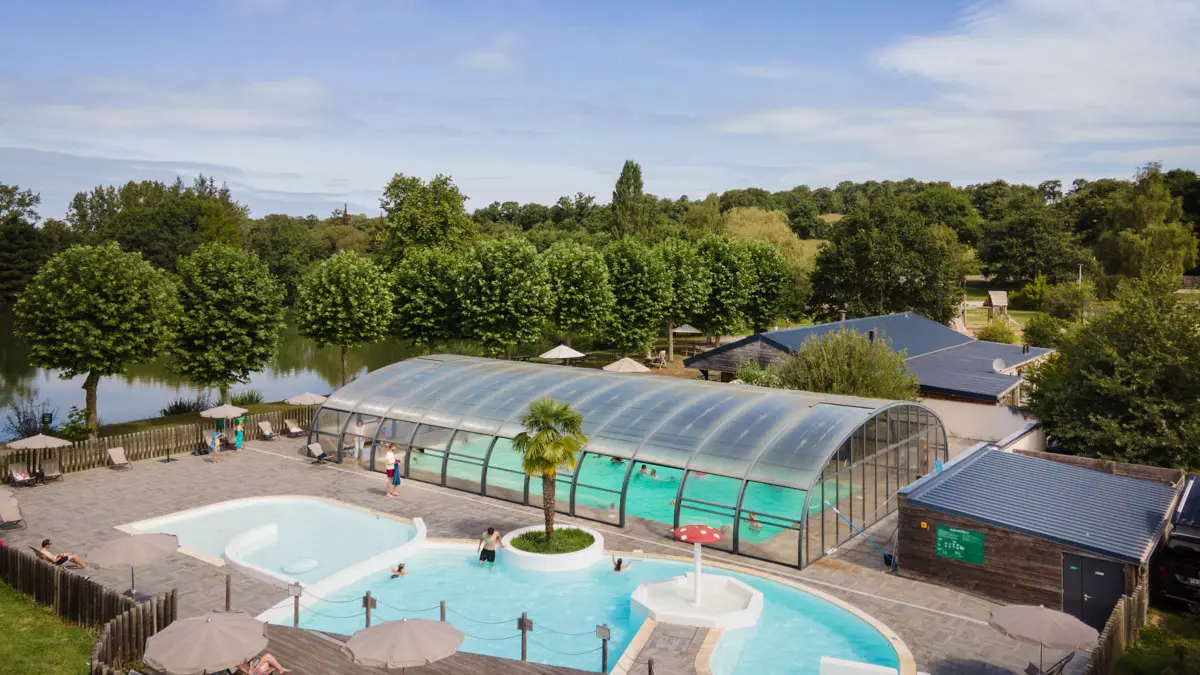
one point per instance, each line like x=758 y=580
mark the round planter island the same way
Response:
x=552 y=562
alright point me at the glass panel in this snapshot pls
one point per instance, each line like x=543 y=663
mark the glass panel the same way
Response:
x=598 y=491
x=610 y=399
x=330 y=421
x=736 y=443
x=329 y=444
x=426 y=465
x=410 y=392
x=769 y=526
x=710 y=500
x=693 y=417
x=390 y=431
x=357 y=442
x=432 y=438
x=651 y=496
x=628 y=428
x=562 y=491
x=464 y=467
x=799 y=453
x=476 y=413
x=508 y=405
x=505 y=479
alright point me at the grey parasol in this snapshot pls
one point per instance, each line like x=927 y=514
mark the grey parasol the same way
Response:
x=206 y=644
x=403 y=644
x=38 y=442
x=134 y=551
x=1043 y=627
x=305 y=399
x=223 y=412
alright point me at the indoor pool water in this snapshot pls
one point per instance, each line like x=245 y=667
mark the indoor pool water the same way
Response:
x=310 y=530
x=796 y=628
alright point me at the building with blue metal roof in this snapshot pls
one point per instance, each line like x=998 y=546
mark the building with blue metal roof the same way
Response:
x=947 y=363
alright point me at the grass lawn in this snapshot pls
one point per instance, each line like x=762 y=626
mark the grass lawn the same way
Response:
x=566 y=540
x=1168 y=645
x=33 y=641
x=174 y=420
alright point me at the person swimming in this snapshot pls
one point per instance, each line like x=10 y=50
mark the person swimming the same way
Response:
x=755 y=524
x=643 y=471
x=399 y=571
x=619 y=564
x=654 y=473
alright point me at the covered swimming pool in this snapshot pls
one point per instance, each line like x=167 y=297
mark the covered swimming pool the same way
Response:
x=771 y=467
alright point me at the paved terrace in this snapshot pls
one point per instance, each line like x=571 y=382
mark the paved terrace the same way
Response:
x=946 y=630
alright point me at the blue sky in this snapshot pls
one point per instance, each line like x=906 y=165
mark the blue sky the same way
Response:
x=300 y=105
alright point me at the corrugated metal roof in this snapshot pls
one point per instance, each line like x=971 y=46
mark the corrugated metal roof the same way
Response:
x=1112 y=516
x=908 y=332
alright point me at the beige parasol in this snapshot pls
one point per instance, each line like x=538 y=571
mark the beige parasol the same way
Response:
x=1043 y=627
x=133 y=551
x=403 y=644
x=223 y=412
x=561 y=352
x=305 y=399
x=38 y=442
x=206 y=644
x=626 y=365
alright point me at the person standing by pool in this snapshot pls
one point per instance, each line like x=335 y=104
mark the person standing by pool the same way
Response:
x=216 y=446
x=488 y=541
x=395 y=469
x=239 y=435
x=389 y=462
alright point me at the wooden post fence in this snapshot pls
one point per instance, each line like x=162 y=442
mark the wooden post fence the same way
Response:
x=123 y=639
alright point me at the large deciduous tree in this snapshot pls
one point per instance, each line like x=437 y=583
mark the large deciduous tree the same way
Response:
x=642 y=287
x=425 y=286
x=22 y=248
x=769 y=278
x=231 y=315
x=1032 y=239
x=504 y=293
x=722 y=312
x=885 y=259
x=344 y=301
x=628 y=201
x=691 y=282
x=580 y=289
x=422 y=214
x=1145 y=236
x=94 y=310
x=288 y=245
x=943 y=204
x=1125 y=385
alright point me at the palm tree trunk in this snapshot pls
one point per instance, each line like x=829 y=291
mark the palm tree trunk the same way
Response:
x=548 y=503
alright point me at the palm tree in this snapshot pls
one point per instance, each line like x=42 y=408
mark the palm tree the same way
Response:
x=552 y=439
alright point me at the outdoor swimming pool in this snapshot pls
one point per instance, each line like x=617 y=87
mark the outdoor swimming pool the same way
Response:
x=302 y=538
x=796 y=628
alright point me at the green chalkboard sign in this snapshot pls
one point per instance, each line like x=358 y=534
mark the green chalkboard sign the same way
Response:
x=957 y=544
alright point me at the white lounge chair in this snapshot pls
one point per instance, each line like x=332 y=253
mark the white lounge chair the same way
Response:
x=265 y=427
x=315 y=450
x=10 y=512
x=293 y=429
x=116 y=457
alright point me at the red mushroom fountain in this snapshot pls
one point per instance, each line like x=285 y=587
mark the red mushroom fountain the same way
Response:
x=697 y=535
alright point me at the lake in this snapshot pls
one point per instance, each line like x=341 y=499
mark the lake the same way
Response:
x=145 y=388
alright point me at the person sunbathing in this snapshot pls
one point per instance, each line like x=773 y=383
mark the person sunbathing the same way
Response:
x=263 y=665
x=58 y=559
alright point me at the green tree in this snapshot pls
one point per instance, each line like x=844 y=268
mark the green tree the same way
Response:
x=287 y=245
x=1043 y=330
x=768 y=280
x=844 y=362
x=344 y=301
x=1185 y=186
x=1145 y=236
x=628 y=202
x=690 y=281
x=723 y=311
x=1124 y=386
x=422 y=214
x=1068 y=300
x=231 y=312
x=641 y=285
x=504 y=293
x=997 y=330
x=94 y=310
x=1032 y=239
x=22 y=248
x=582 y=296
x=425 y=287
x=551 y=441
x=885 y=259
x=943 y=204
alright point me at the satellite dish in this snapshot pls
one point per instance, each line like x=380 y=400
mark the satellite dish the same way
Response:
x=998 y=365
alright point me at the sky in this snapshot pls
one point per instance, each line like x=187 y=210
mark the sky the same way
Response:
x=301 y=105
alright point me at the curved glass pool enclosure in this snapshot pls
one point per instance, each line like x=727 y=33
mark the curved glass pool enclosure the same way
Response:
x=772 y=467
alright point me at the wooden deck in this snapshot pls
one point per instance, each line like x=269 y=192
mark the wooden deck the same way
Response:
x=311 y=653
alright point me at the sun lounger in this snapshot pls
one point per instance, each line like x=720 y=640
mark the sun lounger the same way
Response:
x=116 y=457
x=10 y=513
x=1056 y=669
x=50 y=469
x=265 y=427
x=315 y=450
x=53 y=561
x=293 y=429
x=19 y=474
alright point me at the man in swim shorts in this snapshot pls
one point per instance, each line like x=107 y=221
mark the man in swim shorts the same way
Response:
x=488 y=541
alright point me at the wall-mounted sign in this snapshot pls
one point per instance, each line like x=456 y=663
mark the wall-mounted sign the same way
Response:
x=957 y=544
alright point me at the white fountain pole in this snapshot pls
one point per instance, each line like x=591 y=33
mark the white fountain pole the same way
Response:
x=696 y=558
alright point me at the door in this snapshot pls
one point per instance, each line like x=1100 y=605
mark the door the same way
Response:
x=1091 y=588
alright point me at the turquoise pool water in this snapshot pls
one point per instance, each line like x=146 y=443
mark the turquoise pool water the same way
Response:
x=796 y=628
x=333 y=535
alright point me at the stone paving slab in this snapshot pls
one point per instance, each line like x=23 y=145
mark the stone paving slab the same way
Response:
x=945 y=629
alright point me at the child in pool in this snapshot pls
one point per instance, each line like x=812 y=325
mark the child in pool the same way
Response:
x=398 y=571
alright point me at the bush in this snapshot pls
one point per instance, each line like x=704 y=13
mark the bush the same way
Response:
x=75 y=427
x=566 y=540
x=25 y=419
x=1068 y=300
x=1043 y=330
x=752 y=373
x=247 y=397
x=181 y=406
x=1170 y=648
x=847 y=362
x=1030 y=296
x=997 y=331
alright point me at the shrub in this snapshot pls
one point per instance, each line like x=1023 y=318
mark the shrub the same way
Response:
x=25 y=419
x=848 y=362
x=247 y=397
x=1068 y=300
x=752 y=373
x=75 y=427
x=1044 y=330
x=1030 y=296
x=182 y=406
x=566 y=540
x=997 y=331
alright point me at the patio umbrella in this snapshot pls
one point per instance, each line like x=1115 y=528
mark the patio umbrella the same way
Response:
x=223 y=412
x=135 y=551
x=38 y=442
x=697 y=535
x=561 y=352
x=305 y=399
x=626 y=365
x=403 y=644
x=1043 y=627
x=206 y=644
x=687 y=329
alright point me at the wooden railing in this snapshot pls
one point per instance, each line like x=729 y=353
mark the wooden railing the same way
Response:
x=1122 y=628
x=176 y=440
x=123 y=639
x=73 y=596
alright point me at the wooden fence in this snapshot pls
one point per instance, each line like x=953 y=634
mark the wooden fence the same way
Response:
x=123 y=639
x=176 y=440
x=73 y=596
x=1122 y=628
